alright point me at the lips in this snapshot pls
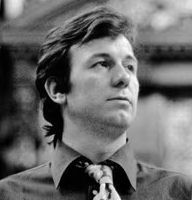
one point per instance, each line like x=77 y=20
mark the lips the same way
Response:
x=120 y=98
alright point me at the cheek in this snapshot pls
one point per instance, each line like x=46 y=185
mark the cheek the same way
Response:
x=135 y=87
x=87 y=86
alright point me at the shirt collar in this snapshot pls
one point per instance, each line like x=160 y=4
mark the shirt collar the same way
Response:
x=63 y=155
x=61 y=158
x=125 y=158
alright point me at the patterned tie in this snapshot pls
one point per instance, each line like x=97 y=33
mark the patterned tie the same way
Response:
x=103 y=175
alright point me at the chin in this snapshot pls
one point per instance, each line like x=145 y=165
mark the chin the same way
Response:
x=124 y=126
x=116 y=120
x=121 y=124
x=124 y=121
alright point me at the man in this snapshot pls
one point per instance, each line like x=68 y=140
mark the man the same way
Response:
x=87 y=80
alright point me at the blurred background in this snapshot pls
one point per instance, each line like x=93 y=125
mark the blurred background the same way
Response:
x=162 y=131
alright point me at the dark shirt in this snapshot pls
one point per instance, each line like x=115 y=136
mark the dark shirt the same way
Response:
x=63 y=178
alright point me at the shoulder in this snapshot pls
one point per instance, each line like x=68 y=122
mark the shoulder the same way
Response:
x=163 y=178
x=14 y=186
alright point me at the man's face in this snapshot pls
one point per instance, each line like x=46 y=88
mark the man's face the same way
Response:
x=104 y=84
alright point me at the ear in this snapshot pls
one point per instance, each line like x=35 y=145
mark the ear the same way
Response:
x=51 y=87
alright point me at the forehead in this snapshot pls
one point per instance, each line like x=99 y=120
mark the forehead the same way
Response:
x=118 y=47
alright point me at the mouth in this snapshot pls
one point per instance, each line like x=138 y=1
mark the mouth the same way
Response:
x=125 y=99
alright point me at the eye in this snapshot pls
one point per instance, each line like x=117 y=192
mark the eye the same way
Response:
x=130 y=67
x=104 y=64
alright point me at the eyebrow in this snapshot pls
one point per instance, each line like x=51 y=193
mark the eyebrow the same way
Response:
x=106 y=55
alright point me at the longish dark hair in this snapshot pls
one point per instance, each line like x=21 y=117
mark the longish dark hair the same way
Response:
x=54 y=59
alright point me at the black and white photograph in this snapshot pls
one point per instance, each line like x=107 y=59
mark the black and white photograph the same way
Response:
x=95 y=100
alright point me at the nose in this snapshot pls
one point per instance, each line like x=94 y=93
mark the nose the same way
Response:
x=120 y=77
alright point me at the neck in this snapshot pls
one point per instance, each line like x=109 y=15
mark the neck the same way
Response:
x=95 y=146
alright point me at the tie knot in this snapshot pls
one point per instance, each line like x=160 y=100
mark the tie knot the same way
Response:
x=100 y=173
